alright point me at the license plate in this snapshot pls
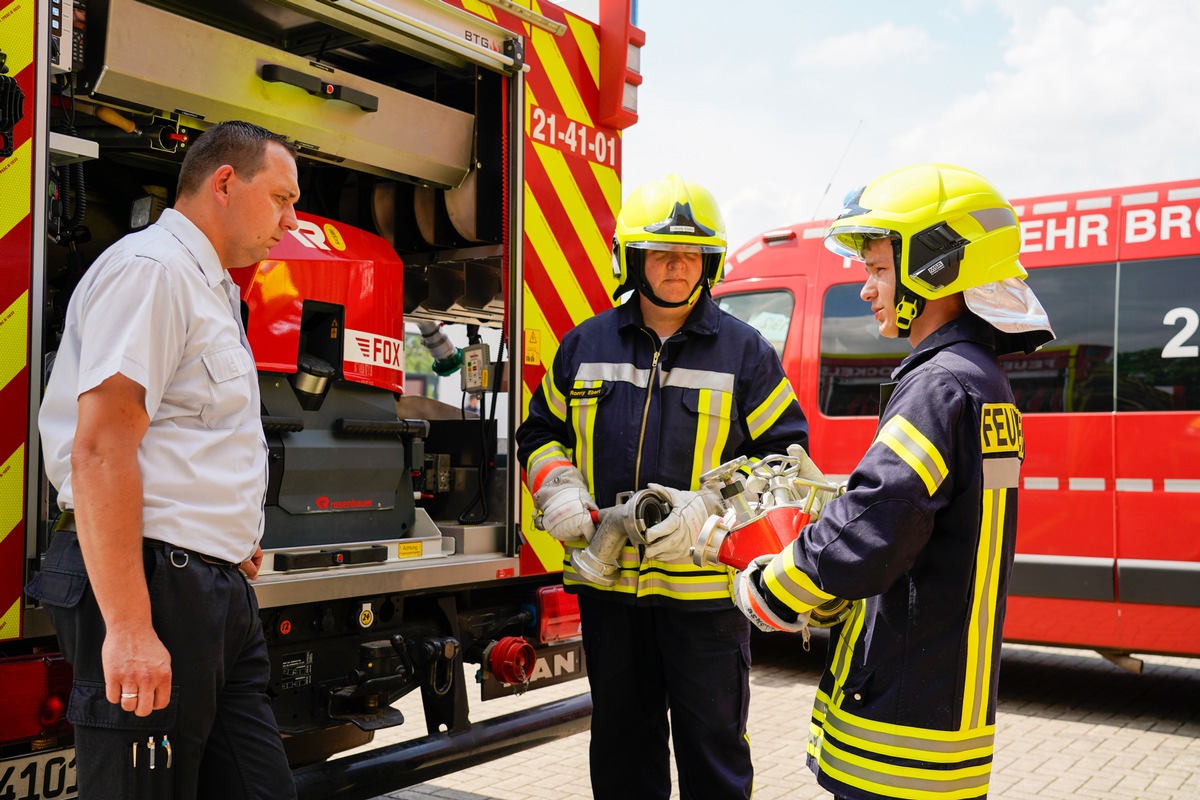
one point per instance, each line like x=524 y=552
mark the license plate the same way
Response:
x=39 y=776
x=555 y=664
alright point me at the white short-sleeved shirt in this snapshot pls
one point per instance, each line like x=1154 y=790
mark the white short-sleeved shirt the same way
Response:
x=158 y=307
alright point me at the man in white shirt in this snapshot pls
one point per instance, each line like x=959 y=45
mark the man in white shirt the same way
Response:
x=151 y=433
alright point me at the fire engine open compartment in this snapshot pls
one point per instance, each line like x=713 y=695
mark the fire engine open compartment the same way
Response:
x=397 y=138
x=393 y=143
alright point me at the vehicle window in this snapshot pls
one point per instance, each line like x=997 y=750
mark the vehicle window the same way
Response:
x=770 y=312
x=855 y=359
x=1075 y=371
x=1158 y=336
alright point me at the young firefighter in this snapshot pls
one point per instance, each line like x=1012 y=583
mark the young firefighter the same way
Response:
x=659 y=390
x=923 y=538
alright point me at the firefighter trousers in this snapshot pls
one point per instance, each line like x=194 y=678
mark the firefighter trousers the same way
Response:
x=645 y=663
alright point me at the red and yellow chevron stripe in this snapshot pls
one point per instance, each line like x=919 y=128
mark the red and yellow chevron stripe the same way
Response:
x=572 y=193
x=18 y=35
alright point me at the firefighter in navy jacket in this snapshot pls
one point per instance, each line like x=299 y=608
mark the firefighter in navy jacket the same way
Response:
x=656 y=392
x=923 y=538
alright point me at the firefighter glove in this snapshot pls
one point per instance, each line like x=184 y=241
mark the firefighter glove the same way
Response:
x=713 y=502
x=566 y=505
x=753 y=487
x=810 y=471
x=749 y=597
x=674 y=537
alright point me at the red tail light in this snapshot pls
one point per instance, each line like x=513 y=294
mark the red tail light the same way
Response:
x=36 y=691
x=557 y=614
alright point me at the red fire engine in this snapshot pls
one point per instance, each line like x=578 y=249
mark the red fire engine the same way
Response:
x=460 y=166
x=1108 y=551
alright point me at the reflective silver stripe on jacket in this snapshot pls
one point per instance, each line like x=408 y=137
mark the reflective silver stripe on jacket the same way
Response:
x=603 y=371
x=700 y=379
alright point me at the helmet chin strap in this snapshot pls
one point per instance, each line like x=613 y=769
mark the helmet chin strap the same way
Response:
x=908 y=307
x=649 y=294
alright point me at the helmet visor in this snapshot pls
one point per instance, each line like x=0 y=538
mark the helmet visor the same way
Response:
x=850 y=240
x=676 y=247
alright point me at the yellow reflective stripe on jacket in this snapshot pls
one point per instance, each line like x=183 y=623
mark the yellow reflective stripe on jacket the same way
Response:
x=681 y=580
x=712 y=431
x=915 y=450
x=555 y=400
x=1003 y=445
x=544 y=459
x=981 y=631
x=874 y=769
x=906 y=782
x=791 y=586
x=762 y=418
x=843 y=652
x=583 y=413
x=906 y=741
x=627 y=569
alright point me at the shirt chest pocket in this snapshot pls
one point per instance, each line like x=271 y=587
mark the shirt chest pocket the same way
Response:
x=711 y=406
x=231 y=373
x=714 y=415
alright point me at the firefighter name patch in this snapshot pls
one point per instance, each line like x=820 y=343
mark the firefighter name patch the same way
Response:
x=1000 y=429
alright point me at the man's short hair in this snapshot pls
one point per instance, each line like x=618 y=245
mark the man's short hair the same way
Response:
x=241 y=145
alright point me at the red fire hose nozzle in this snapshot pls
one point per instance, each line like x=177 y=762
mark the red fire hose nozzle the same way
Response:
x=723 y=541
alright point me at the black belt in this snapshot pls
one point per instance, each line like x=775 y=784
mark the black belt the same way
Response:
x=66 y=522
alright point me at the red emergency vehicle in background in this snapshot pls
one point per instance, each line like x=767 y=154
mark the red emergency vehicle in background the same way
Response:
x=1108 y=550
x=460 y=164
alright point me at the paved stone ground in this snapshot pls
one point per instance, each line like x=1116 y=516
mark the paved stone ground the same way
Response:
x=1071 y=725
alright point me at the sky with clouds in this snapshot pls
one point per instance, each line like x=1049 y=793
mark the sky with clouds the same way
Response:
x=780 y=107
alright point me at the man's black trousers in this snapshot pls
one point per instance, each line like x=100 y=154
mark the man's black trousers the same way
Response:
x=223 y=740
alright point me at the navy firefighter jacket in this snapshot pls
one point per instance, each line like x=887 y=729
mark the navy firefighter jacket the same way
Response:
x=923 y=540
x=629 y=410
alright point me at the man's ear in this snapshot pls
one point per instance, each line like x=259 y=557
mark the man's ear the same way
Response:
x=221 y=182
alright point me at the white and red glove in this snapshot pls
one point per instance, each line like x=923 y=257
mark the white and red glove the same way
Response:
x=566 y=505
x=751 y=602
x=673 y=538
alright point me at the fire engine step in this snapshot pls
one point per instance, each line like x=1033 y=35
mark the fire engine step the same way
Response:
x=376 y=772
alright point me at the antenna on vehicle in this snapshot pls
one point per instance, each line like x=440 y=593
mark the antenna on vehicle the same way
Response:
x=835 y=170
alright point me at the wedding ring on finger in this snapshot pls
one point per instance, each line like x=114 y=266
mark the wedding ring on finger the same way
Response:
x=129 y=695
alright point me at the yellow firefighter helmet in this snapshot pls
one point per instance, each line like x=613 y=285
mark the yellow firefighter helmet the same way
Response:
x=950 y=228
x=951 y=231
x=668 y=214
